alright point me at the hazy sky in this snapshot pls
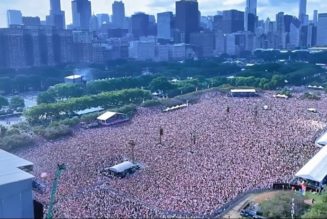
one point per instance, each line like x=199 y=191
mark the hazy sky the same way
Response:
x=208 y=7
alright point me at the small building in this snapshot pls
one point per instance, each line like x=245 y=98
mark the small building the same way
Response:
x=122 y=169
x=112 y=118
x=16 y=185
x=243 y=93
x=74 y=79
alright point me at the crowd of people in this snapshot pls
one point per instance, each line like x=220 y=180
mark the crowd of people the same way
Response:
x=211 y=152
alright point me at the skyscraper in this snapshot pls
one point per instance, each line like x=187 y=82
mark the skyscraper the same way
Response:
x=322 y=30
x=187 y=18
x=303 y=11
x=140 y=25
x=14 y=17
x=233 y=21
x=57 y=16
x=315 y=17
x=165 y=25
x=250 y=15
x=118 y=14
x=81 y=14
x=55 y=6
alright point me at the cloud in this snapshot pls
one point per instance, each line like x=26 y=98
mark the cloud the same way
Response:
x=207 y=7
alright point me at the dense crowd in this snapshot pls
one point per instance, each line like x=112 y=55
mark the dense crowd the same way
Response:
x=209 y=156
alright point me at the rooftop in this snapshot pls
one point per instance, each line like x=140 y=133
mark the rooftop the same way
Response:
x=11 y=168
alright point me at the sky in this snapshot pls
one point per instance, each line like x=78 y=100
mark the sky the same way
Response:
x=266 y=8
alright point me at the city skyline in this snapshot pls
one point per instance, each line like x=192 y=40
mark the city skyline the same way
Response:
x=266 y=8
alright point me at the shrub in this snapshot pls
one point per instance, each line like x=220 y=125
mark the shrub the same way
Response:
x=14 y=141
x=150 y=103
x=56 y=131
x=70 y=122
x=280 y=206
x=89 y=117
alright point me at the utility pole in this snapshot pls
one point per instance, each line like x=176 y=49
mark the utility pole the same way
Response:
x=132 y=146
x=193 y=137
x=161 y=133
x=60 y=169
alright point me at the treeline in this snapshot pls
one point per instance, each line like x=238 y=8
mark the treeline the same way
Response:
x=275 y=55
x=44 y=113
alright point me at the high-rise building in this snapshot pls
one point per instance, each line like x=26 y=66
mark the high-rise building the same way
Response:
x=140 y=25
x=81 y=14
x=14 y=17
x=165 y=26
x=303 y=11
x=250 y=15
x=315 y=17
x=118 y=14
x=204 y=43
x=233 y=21
x=57 y=16
x=322 y=30
x=103 y=19
x=187 y=18
x=94 y=23
x=31 y=21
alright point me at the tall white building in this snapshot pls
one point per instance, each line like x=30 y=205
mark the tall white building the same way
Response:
x=322 y=30
x=164 y=25
x=14 y=17
x=303 y=11
x=250 y=15
x=142 y=50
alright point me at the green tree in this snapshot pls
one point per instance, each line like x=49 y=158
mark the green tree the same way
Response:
x=3 y=102
x=161 y=83
x=280 y=206
x=17 y=102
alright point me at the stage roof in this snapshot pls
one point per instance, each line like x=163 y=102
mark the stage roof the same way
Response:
x=316 y=168
x=10 y=171
x=107 y=115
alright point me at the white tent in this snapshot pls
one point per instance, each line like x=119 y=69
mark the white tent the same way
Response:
x=316 y=168
x=106 y=116
x=322 y=140
x=122 y=167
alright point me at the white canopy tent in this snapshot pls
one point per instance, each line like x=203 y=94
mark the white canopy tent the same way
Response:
x=322 y=140
x=316 y=168
x=107 y=115
x=111 y=118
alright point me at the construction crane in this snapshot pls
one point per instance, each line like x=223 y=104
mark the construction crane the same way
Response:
x=60 y=169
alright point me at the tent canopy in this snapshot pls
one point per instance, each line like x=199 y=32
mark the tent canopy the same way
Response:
x=322 y=140
x=316 y=168
x=243 y=91
x=120 y=168
x=107 y=115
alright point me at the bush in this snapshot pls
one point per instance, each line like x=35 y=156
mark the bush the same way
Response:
x=70 y=122
x=89 y=117
x=280 y=206
x=311 y=96
x=14 y=141
x=127 y=109
x=151 y=103
x=56 y=131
